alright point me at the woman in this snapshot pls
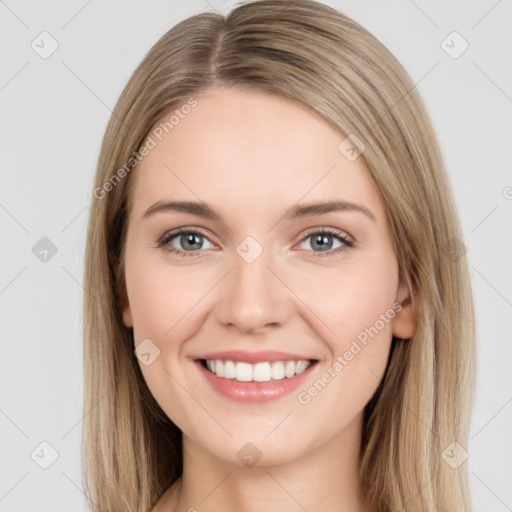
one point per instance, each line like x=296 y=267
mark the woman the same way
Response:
x=314 y=347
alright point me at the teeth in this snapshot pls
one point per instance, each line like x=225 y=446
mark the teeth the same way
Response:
x=277 y=370
x=289 y=369
x=229 y=369
x=301 y=366
x=259 y=372
x=262 y=372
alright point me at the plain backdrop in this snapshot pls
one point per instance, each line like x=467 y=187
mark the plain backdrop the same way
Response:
x=54 y=110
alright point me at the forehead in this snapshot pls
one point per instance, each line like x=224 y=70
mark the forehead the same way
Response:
x=246 y=150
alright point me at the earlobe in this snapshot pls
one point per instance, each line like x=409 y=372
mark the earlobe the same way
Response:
x=127 y=316
x=125 y=306
x=404 y=322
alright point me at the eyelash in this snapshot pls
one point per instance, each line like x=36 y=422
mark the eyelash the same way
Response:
x=347 y=243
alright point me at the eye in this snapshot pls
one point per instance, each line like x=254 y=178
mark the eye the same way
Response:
x=188 y=241
x=322 y=241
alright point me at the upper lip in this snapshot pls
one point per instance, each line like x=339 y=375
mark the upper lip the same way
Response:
x=254 y=357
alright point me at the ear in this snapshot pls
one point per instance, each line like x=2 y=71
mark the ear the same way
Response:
x=127 y=316
x=125 y=306
x=404 y=322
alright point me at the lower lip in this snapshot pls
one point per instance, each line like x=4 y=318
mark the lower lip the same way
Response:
x=255 y=391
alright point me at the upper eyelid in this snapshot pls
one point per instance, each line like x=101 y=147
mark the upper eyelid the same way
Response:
x=179 y=231
x=332 y=231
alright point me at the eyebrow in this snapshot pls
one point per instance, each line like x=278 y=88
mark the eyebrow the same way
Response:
x=297 y=211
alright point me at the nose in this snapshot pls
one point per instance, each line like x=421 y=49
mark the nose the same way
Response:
x=252 y=297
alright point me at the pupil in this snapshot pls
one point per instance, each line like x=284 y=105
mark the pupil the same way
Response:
x=323 y=241
x=192 y=239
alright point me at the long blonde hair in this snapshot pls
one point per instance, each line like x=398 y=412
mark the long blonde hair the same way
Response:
x=314 y=55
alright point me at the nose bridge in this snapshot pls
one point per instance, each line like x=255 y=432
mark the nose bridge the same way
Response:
x=252 y=297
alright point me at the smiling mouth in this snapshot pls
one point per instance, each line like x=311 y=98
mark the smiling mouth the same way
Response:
x=259 y=372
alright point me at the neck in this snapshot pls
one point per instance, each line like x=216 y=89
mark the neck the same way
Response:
x=323 y=478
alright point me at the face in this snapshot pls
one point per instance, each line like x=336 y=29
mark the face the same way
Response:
x=228 y=260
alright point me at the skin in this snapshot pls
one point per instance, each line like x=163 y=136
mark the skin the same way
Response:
x=251 y=156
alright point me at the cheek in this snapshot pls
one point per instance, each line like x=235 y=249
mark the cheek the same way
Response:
x=353 y=312
x=160 y=296
x=349 y=299
x=162 y=306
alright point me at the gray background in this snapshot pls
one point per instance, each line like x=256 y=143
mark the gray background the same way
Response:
x=54 y=111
